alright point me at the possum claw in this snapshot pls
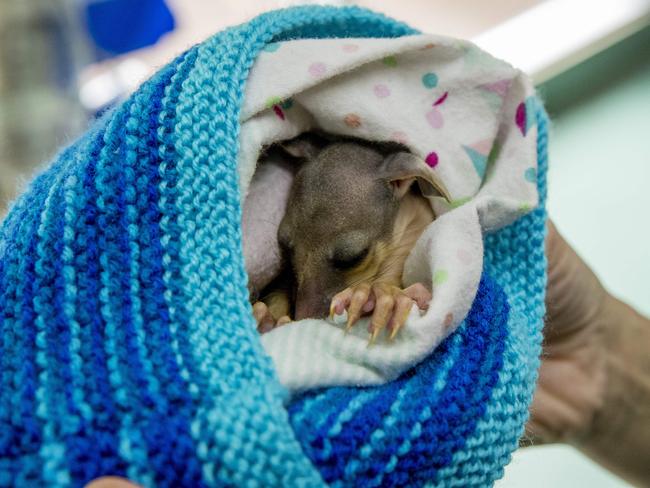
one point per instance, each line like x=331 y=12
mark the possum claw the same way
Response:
x=265 y=320
x=263 y=317
x=388 y=305
x=419 y=293
x=373 y=337
x=352 y=299
x=283 y=320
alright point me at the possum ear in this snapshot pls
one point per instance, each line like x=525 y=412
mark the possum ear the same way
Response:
x=402 y=169
x=305 y=146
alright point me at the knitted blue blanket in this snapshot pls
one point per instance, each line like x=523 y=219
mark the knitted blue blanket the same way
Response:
x=127 y=345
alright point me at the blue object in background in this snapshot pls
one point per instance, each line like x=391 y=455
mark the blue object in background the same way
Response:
x=120 y=26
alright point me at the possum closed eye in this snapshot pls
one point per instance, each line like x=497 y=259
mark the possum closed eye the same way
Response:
x=354 y=213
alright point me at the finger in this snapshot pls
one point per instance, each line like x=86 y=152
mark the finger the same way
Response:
x=419 y=293
x=340 y=302
x=384 y=303
x=283 y=320
x=403 y=305
x=263 y=317
x=369 y=305
x=259 y=311
x=111 y=482
x=359 y=299
x=266 y=324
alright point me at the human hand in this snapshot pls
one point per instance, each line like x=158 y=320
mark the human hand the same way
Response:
x=594 y=380
x=111 y=482
x=571 y=376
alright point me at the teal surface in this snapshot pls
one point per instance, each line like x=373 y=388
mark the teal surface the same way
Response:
x=598 y=197
x=598 y=181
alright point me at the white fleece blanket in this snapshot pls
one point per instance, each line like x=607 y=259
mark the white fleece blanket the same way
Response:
x=469 y=116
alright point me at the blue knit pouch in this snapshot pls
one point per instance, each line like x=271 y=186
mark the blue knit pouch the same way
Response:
x=127 y=345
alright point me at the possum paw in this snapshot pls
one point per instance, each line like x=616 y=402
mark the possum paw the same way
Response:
x=265 y=320
x=389 y=305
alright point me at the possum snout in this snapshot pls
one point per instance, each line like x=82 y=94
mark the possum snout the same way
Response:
x=312 y=302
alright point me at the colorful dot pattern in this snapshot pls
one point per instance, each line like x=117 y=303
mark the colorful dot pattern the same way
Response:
x=381 y=91
x=430 y=80
x=352 y=120
x=317 y=70
x=531 y=175
x=440 y=276
x=431 y=159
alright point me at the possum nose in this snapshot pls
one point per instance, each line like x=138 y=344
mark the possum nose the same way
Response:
x=311 y=302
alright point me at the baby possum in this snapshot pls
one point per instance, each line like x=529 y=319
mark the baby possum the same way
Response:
x=353 y=215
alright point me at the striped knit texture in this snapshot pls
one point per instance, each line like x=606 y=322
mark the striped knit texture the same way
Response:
x=127 y=344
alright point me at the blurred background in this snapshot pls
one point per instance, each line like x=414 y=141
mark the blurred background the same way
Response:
x=63 y=62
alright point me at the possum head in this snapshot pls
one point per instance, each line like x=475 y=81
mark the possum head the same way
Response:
x=340 y=227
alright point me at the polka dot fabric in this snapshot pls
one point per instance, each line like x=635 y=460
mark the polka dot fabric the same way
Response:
x=127 y=345
x=456 y=111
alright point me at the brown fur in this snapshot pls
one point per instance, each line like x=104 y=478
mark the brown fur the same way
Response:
x=386 y=262
x=354 y=214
